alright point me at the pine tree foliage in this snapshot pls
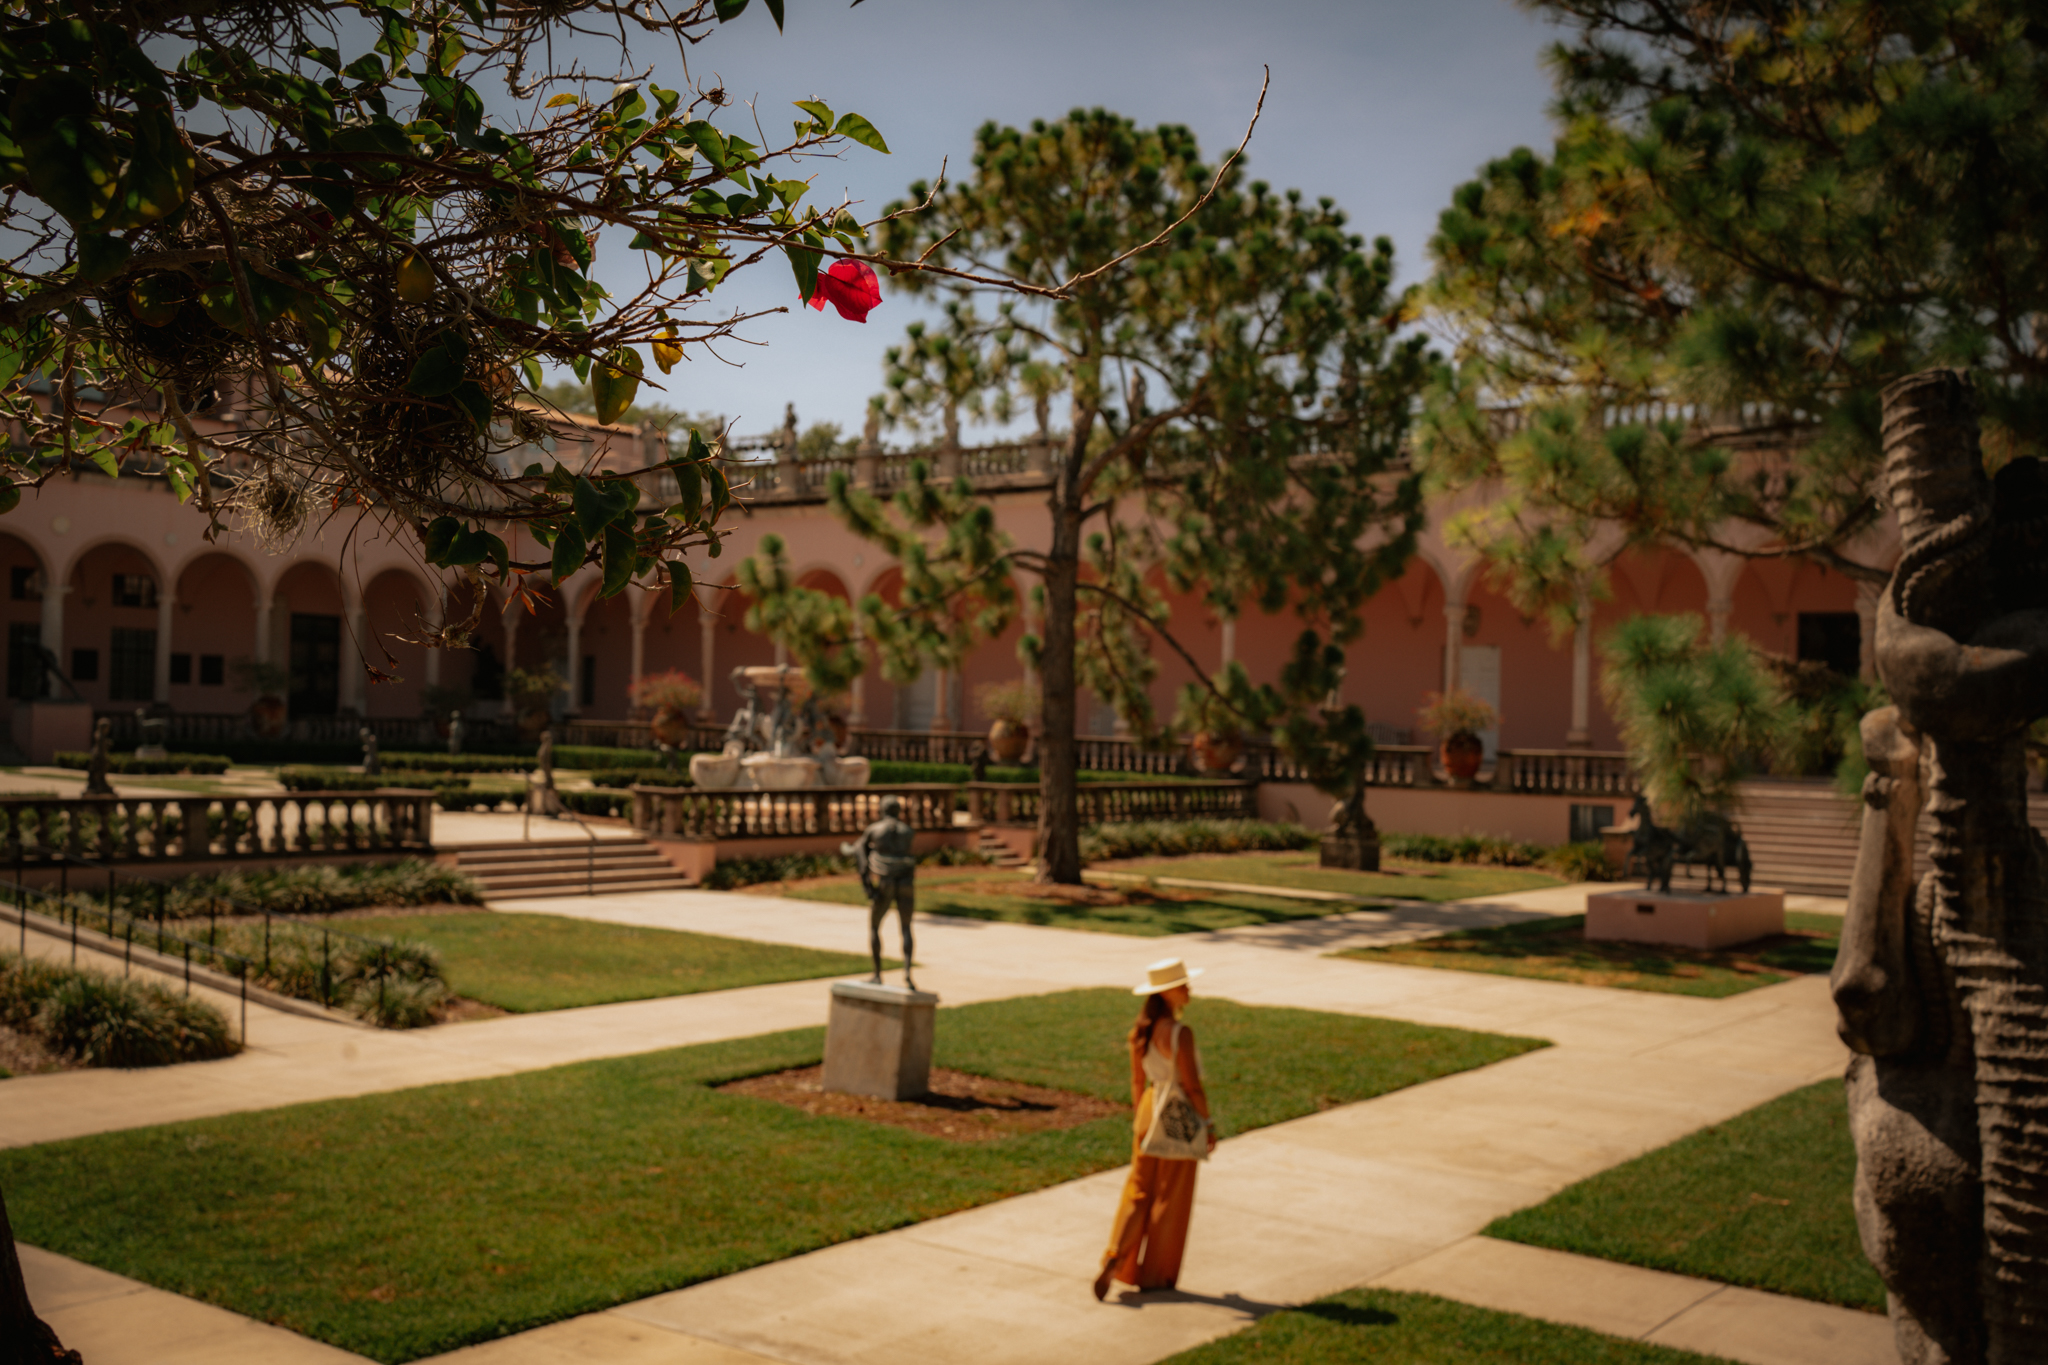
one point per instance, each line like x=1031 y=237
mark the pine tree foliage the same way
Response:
x=1756 y=214
x=1234 y=400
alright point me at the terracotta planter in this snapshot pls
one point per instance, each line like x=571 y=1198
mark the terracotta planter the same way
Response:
x=1008 y=739
x=671 y=727
x=841 y=731
x=1463 y=752
x=531 y=723
x=269 y=715
x=1215 y=753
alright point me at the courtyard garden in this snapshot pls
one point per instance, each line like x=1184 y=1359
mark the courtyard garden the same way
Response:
x=355 y=1221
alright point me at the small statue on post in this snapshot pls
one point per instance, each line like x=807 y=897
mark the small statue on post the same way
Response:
x=888 y=872
x=454 y=732
x=96 y=783
x=373 y=765
x=542 y=798
x=1352 y=841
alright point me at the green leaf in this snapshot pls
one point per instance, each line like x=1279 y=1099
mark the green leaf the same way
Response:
x=440 y=536
x=678 y=585
x=10 y=496
x=495 y=550
x=619 y=558
x=107 y=459
x=101 y=256
x=530 y=367
x=613 y=382
x=594 y=508
x=775 y=9
x=570 y=551
x=368 y=68
x=468 y=547
x=71 y=162
x=861 y=131
x=818 y=110
x=804 y=263
x=689 y=505
x=437 y=373
x=475 y=404
x=728 y=9
x=560 y=482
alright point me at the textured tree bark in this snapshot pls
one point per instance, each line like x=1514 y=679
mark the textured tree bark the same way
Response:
x=1059 y=810
x=1944 y=992
x=25 y=1339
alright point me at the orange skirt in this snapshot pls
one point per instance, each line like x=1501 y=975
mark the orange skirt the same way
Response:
x=1151 y=1230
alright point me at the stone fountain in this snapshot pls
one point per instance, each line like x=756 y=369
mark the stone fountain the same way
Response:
x=778 y=740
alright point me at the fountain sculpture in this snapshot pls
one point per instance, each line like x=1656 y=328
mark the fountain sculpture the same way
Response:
x=778 y=740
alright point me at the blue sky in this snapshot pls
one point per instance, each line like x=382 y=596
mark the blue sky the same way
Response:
x=1385 y=107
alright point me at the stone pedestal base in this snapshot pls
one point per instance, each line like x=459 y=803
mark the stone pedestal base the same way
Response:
x=1689 y=919
x=878 y=1041
x=1353 y=854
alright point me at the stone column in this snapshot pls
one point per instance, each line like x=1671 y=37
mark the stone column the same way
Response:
x=707 y=627
x=53 y=621
x=260 y=653
x=637 y=664
x=942 y=701
x=436 y=616
x=572 y=673
x=355 y=688
x=1719 y=609
x=1580 y=736
x=1229 y=642
x=1454 y=640
x=857 y=700
x=166 y=608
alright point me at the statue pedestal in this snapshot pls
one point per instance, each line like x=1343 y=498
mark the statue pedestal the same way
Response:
x=1351 y=852
x=878 y=1041
x=1688 y=919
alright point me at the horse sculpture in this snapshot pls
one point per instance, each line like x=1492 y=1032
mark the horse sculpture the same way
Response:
x=1710 y=840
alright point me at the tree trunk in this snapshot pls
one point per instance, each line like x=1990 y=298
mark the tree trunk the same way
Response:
x=1059 y=809
x=25 y=1339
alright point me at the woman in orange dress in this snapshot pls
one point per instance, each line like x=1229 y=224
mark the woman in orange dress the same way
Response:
x=1151 y=1229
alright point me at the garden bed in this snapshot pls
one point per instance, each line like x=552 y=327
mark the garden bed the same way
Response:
x=959 y=1107
x=1433 y=882
x=406 y=1224
x=1558 y=950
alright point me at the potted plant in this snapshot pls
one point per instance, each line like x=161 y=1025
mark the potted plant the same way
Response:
x=1010 y=707
x=269 y=713
x=442 y=702
x=671 y=698
x=1455 y=718
x=531 y=692
x=1218 y=737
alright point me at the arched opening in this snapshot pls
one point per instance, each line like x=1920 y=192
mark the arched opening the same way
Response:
x=23 y=610
x=1799 y=610
x=394 y=617
x=308 y=619
x=675 y=641
x=1642 y=581
x=604 y=655
x=112 y=618
x=213 y=628
x=1398 y=655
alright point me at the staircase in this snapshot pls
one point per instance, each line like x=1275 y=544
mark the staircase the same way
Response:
x=1802 y=836
x=567 y=867
x=1002 y=854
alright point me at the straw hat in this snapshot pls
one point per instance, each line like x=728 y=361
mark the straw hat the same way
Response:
x=1164 y=975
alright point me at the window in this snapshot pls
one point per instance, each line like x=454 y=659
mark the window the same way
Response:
x=26 y=678
x=25 y=583
x=316 y=665
x=1834 y=638
x=1588 y=821
x=134 y=590
x=181 y=668
x=131 y=665
x=85 y=665
x=586 y=682
x=213 y=669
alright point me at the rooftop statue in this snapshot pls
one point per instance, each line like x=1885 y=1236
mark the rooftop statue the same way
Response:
x=1942 y=984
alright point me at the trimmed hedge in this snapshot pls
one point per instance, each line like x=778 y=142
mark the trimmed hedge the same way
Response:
x=616 y=804
x=197 y=764
x=1583 y=862
x=341 y=780
x=1171 y=838
x=103 y=1020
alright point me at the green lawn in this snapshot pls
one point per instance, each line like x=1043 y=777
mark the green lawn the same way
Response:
x=1761 y=1200
x=982 y=893
x=1389 y=1328
x=1300 y=870
x=526 y=963
x=1557 y=950
x=406 y=1224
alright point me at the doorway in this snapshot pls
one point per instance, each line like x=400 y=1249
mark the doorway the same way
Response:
x=316 y=665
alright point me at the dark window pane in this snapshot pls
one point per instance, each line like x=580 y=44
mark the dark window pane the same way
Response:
x=1834 y=638
x=25 y=583
x=26 y=678
x=586 y=683
x=181 y=668
x=85 y=665
x=212 y=669
x=316 y=665
x=131 y=671
x=134 y=590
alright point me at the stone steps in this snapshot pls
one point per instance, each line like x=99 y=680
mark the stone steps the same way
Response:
x=1803 y=837
x=568 y=867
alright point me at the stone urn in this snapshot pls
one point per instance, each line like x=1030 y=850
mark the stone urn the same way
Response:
x=1215 y=753
x=852 y=771
x=1008 y=739
x=714 y=772
x=268 y=715
x=772 y=774
x=1462 y=753
x=532 y=722
x=671 y=727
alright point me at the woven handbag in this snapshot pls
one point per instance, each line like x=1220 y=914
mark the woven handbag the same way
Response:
x=1178 y=1131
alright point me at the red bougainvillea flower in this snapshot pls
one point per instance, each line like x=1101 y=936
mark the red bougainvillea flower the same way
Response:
x=851 y=287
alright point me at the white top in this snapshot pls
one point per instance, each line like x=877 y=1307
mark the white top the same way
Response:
x=1160 y=1068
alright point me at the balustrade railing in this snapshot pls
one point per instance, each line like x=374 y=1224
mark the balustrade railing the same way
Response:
x=695 y=814
x=191 y=731
x=40 y=830
x=1565 y=772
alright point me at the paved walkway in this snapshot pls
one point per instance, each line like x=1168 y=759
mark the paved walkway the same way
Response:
x=1366 y=1192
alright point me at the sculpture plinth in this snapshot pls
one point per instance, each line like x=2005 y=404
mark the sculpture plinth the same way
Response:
x=1686 y=919
x=878 y=1040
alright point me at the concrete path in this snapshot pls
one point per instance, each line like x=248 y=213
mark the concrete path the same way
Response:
x=1649 y=1305
x=1346 y=1197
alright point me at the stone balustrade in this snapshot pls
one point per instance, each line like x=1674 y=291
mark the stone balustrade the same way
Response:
x=693 y=814
x=121 y=829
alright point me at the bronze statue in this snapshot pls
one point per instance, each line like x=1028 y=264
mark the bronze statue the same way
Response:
x=96 y=783
x=373 y=763
x=454 y=732
x=888 y=871
x=1942 y=985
